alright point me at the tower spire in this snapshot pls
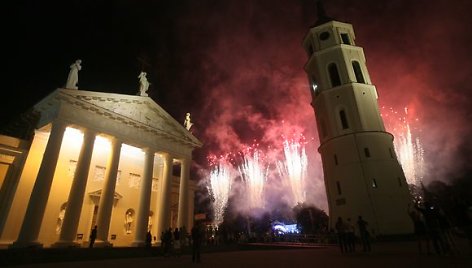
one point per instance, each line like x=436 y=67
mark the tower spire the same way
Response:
x=321 y=14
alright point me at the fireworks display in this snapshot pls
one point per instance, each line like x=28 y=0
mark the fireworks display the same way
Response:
x=254 y=174
x=292 y=164
x=253 y=165
x=220 y=179
x=407 y=144
x=294 y=169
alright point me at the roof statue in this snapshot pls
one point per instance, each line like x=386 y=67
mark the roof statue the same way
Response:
x=73 y=77
x=187 y=123
x=143 y=84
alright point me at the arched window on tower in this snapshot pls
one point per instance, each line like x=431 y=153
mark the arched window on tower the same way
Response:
x=345 y=38
x=358 y=72
x=334 y=75
x=343 y=118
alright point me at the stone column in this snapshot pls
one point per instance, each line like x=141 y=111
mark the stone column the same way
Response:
x=108 y=193
x=39 y=196
x=144 y=200
x=165 y=199
x=10 y=184
x=76 y=194
x=182 y=219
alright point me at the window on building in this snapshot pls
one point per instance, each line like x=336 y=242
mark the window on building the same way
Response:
x=336 y=160
x=338 y=186
x=342 y=116
x=366 y=152
x=374 y=183
x=314 y=85
x=334 y=75
x=345 y=38
x=358 y=72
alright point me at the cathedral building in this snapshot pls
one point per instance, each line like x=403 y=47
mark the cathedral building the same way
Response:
x=118 y=162
x=362 y=174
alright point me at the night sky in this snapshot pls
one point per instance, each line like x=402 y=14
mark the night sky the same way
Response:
x=237 y=66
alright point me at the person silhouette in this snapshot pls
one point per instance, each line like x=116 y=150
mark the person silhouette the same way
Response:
x=148 y=239
x=341 y=232
x=93 y=236
x=196 y=242
x=364 y=234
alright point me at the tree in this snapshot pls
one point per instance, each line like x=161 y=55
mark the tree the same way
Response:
x=311 y=219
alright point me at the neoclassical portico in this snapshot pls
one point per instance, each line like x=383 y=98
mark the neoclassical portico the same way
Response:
x=143 y=176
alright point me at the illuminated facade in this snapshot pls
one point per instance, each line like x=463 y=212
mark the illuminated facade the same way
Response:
x=361 y=172
x=96 y=159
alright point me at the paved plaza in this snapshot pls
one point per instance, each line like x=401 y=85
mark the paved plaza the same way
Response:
x=385 y=254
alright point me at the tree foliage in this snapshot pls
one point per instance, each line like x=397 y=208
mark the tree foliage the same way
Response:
x=311 y=219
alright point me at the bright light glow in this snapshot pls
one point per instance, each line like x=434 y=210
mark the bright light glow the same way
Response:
x=294 y=169
x=132 y=151
x=102 y=144
x=73 y=138
x=220 y=186
x=254 y=175
x=281 y=228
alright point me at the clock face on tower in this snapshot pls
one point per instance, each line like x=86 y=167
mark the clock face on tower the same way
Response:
x=324 y=36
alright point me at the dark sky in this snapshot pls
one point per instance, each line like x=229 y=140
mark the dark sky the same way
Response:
x=237 y=66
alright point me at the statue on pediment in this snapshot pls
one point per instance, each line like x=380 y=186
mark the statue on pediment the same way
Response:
x=73 y=77
x=187 y=123
x=143 y=84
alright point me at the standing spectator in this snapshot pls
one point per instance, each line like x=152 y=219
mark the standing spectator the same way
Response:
x=431 y=215
x=196 y=242
x=350 y=236
x=168 y=242
x=364 y=233
x=177 y=244
x=341 y=231
x=183 y=237
x=93 y=236
x=419 y=229
x=148 y=239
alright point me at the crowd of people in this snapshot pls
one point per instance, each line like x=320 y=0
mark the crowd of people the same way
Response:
x=431 y=228
x=346 y=232
x=174 y=241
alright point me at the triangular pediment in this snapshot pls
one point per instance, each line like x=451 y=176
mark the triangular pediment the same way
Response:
x=98 y=194
x=136 y=111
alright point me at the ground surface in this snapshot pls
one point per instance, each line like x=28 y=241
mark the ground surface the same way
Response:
x=385 y=254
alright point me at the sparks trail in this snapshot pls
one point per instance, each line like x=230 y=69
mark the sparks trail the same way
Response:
x=252 y=164
x=219 y=187
x=407 y=142
x=293 y=168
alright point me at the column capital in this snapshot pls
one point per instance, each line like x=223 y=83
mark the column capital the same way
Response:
x=88 y=131
x=148 y=150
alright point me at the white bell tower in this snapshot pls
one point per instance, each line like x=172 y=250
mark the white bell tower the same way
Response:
x=361 y=172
